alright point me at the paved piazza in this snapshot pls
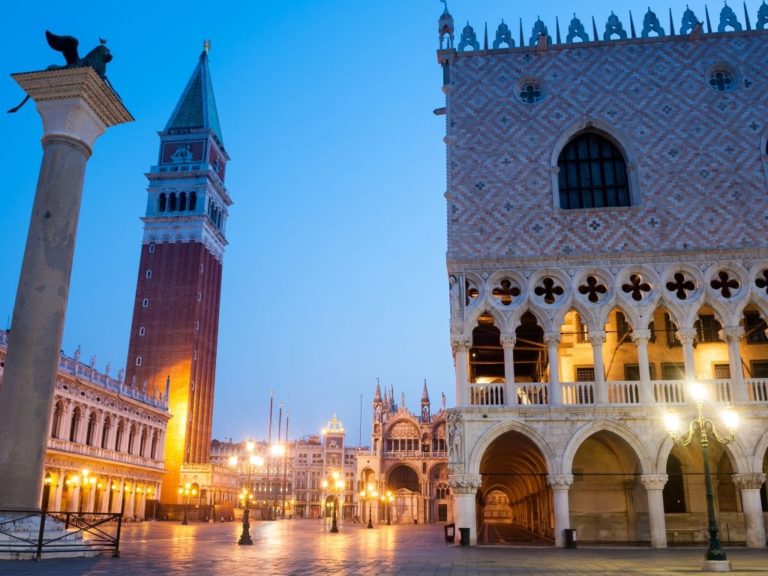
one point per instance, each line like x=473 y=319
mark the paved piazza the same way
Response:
x=302 y=547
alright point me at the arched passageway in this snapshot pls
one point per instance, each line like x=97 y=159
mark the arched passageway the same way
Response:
x=608 y=502
x=514 y=504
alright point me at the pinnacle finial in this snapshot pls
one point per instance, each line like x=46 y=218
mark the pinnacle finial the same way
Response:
x=206 y=46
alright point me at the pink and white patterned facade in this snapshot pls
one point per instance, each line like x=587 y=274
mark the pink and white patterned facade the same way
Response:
x=575 y=330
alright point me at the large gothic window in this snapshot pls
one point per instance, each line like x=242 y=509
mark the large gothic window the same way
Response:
x=592 y=173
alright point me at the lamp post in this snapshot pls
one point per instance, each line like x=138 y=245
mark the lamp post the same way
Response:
x=702 y=427
x=369 y=493
x=387 y=500
x=336 y=485
x=252 y=461
x=185 y=492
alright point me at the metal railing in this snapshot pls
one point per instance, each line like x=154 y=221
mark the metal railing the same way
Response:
x=36 y=533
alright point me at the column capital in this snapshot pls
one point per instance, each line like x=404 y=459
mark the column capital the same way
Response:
x=552 y=339
x=459 y=342
x=465 y=483
x=560 y=481
x=74 y=103
x=732 y=333
x=508 y=341
x=654 y=481
x=640 y=336
x=597 y=337
x=686 y=335
x=749 y=481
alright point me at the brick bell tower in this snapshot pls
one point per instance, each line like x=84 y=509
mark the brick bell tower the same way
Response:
x=174 y=334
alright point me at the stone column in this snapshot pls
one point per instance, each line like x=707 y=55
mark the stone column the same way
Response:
x=733 y=335
x=560 y=484
x=91 y=498
x=103 y=505
x=117 y=497
x=640 y=338
x=460 y=352
x=142 y=504
x=654 y=489
x=464 y=488
x=555 y=387
x=597 y=339
x=686 y=337
x=56 y=504
x=510 y=389
x=74 y=500
x=131 y=503
x=76 y=107
x=754 y=524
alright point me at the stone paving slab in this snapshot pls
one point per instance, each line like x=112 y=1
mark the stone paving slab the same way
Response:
x=305 y=548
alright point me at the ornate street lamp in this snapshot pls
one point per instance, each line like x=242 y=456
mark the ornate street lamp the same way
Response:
x=702 y=427
x=386 y=500
x=369 y=493
x=185 y=492
x=336 y=485
x=251 y=462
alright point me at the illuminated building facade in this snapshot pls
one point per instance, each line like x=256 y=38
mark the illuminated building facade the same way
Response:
x=407 y=463
x=105 y=443
x=606 y=202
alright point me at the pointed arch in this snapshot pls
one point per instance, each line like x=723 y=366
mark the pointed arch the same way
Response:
x=542 y=318
x=623 y=432
x=614 y=136
x=483 y=442
x=739 y=459
x=472 y=320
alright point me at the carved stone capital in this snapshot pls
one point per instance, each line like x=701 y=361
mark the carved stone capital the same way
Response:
x=552 y=339
x=732 y=333
x=465 y=483
x=641 y=336
x=749 y=481
x=686 y=335
x=460 y=344
x=508 y=341
x=560 y=481
x=597 y=337
x=654 y=481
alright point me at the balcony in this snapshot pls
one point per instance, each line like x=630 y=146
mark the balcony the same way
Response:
x=662 y=392
x=105 y=454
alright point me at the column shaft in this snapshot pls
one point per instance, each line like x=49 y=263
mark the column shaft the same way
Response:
x=462 y=374
x=555 y=387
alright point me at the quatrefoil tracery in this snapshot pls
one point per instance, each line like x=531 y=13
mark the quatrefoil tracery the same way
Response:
x=506 y=291
x=725 y=284
x=762 y=280
x=593 y=289
x=636 y=287
x=681 y=286
x=471 y=292
x=549 y=290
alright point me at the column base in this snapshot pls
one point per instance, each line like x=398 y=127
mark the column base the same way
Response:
x=716 y=566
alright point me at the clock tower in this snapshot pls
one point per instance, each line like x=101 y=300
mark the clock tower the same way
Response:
x=172 y=349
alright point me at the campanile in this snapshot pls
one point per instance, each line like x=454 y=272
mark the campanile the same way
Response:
x=174 y=333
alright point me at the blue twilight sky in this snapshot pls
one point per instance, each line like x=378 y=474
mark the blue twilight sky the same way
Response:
x=335 y=272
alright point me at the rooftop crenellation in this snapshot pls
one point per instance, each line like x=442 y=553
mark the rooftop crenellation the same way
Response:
x=614 y=29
